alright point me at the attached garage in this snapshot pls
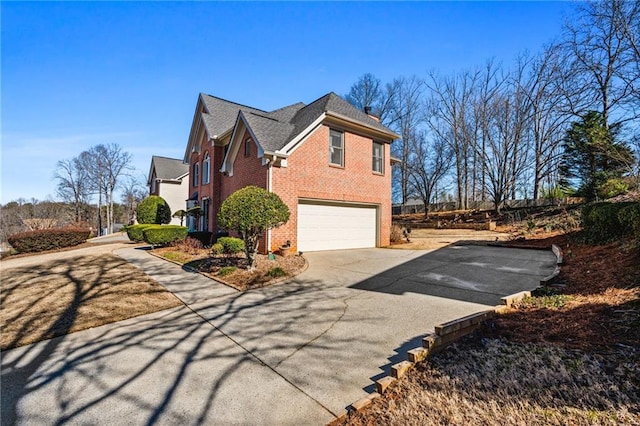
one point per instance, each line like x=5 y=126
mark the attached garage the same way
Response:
x=323 y=226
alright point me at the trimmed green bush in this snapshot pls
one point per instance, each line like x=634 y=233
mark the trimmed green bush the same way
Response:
x=251 y=211
x=217 y=249
x=601 y=221
x=231 y=245
x=203 y=236
x=134 y=232
x=153 y=210
x=629 y=218
x=48 y=239
x=164 y=234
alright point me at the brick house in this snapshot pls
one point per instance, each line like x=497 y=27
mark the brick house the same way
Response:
x=328 y=161
x=169 y=178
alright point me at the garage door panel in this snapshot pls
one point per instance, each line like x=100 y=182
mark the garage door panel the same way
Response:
x=330 y=227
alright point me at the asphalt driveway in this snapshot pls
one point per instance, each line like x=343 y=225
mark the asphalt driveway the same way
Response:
x=293 y=353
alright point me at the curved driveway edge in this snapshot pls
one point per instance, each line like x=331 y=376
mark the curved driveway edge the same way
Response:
x=295 y=352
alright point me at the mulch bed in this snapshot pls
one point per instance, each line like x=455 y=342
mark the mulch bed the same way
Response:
x=603 y=288
x=234 y=270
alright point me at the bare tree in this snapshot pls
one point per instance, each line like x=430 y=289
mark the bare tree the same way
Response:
x=73 y=185
x=429 y=162
x=133 y=191
x=452 y=99
x=106 y=165
x=368 y=91
x=549 y=113
x=406 y=117
x=601 y=44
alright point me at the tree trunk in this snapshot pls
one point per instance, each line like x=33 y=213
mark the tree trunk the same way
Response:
x=251 y=243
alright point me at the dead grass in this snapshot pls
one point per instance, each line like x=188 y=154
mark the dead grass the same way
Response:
x=62 y=296
x=492 y=381
x=233 y=270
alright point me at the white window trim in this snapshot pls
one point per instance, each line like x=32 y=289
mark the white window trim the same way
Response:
x=206 y=171
x=196 y=175
x=381 y=171
x=331 y=147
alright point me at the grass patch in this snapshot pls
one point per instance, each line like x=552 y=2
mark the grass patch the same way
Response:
x=63 y=296
x=226 y=270
x=177 y=257
x=550 y=302
x=276 y=272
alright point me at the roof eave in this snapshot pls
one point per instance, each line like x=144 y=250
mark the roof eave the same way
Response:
x=362 y=126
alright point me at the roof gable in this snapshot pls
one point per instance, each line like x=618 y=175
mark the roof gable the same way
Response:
x=167 y=168
x=282 y=130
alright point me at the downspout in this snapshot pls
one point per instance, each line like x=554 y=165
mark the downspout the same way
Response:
x=269 y=189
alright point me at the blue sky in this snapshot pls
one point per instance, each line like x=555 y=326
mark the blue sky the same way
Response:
x=77 y=74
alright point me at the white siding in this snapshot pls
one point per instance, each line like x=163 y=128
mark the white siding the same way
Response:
x=175 y=195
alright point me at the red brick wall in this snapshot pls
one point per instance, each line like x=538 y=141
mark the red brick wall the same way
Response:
x=216 y=179
x=246 y=171
x=207 y=190
x=309 y=175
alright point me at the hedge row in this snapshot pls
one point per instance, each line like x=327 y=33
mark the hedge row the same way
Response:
x=164 y=234
x=156 y=234
x=134 y=232
x=605 y=222
x=48 y=239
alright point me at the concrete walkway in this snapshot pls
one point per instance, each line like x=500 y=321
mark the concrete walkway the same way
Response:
x=293 y=353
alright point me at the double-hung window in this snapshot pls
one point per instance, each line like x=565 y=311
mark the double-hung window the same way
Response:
x=378 y=158
x=206 y=169
x=336 y=148
x=196 y=174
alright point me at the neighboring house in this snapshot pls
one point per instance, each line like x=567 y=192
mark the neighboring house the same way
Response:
x=328 y=161
x=169 y=178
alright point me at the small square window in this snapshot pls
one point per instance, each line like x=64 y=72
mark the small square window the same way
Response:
x=336 y=148
x=378 y=157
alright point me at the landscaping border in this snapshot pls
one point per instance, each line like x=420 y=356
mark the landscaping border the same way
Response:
x=221 y=281
x=444 y=335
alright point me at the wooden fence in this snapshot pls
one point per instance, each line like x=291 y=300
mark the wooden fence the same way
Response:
x=416 y=207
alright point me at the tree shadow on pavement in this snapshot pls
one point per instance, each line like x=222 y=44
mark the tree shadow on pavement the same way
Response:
x=172 y=366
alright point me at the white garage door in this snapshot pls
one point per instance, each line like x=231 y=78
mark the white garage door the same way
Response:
x=329 y=227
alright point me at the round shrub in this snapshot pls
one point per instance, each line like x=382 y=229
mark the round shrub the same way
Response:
x=164 y=234
x=48 y=239
x=231 y=245
x=153 y=210
x=134 y=232
x=217 y=249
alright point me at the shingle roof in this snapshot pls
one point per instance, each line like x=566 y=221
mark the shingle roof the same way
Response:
x=222 y=114
x=277 y=128
x=269 y=131
x=169 y=168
